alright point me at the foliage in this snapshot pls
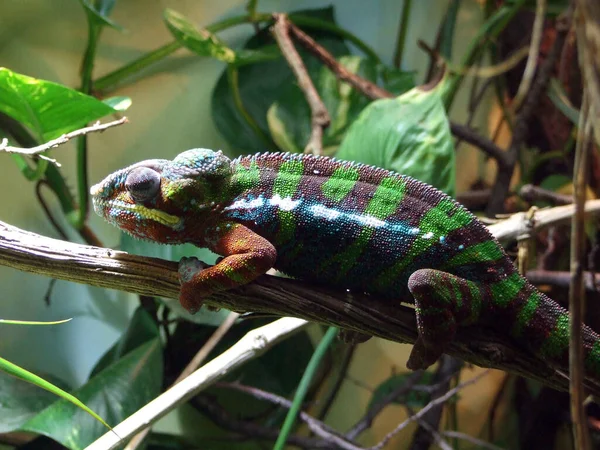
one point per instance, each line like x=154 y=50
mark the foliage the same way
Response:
x=255 y=107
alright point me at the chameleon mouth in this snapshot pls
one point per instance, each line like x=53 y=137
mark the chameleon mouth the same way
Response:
x=155 y=215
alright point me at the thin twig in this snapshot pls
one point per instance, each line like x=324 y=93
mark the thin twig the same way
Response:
x=477 y=442
x=195 y=362
x=533 y=193
x=97 y=127
x=532 y=59
x=444 y=398
x=316 y=426
x=364 y=86
x=247 y=429
x=319 y=116
x=576 y=288
x=487 y=146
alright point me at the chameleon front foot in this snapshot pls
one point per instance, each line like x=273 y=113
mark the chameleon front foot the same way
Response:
x=188 y=294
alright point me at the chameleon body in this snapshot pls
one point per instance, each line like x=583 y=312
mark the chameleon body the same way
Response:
x=342 y=224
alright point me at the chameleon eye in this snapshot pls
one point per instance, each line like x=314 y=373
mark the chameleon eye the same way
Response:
x=142 y=183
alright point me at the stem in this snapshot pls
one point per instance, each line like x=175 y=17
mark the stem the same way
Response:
x=87 y=67
x=234 y=86
x=490 y=29
x=400 y=43
x=111 y=79
x=307 y=377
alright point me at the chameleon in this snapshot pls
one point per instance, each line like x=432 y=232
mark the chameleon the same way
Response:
x=348 y=225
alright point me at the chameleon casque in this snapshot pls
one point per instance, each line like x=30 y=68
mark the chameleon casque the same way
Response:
x=343 y=224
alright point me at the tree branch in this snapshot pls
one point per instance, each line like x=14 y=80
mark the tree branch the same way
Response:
x=97 y=127
x=285 y=297
x=319 y=116
x=369 y=89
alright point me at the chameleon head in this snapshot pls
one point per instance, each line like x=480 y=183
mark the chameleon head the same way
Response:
x=162 y=200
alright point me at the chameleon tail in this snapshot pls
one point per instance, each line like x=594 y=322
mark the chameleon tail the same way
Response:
x=543 y=325
x=444 y=301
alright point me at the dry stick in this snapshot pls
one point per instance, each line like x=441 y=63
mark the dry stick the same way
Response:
x=369 y=89
x=319 y=116
x=97 y=127
x=534 y=50
x=523 y=119
x=576 y=289
x=561 y=279
x=198 y=359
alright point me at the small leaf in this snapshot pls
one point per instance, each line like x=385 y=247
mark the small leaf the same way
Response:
x=115 y=393
x=119 y=103
x=409 y=134
x=48 y=109
x=200 y=41
x=98 y=12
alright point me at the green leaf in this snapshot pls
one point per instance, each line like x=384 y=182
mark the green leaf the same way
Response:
x=175 y=253
x=263 y=84
x=141 y=329
x=118 y=103
x=289 y=118
x=397 y=81
x=25 y=375
x=98 y=12
x=48 y=109
x=115 y=393
x=409 y=134
x=19 y=401
x=200 y=41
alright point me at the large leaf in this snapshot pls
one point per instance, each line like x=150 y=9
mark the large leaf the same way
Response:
x=262 y=84
x=48 y=109
x=289 y=118
x=141 y=329
x=409 y=134
x=19 y=401
x=175 y=253
x=114 y=394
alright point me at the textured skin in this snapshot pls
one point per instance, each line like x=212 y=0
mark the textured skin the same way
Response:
x=342 y=224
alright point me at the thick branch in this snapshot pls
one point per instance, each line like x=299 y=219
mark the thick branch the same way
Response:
x=369 y=89
x=151 y=276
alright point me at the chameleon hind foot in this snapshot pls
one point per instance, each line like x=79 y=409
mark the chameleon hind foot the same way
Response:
x=443 y=302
